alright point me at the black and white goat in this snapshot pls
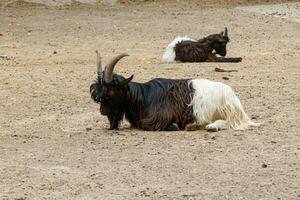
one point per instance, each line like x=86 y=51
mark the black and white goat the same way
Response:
x=167 y=104
x=185 y=49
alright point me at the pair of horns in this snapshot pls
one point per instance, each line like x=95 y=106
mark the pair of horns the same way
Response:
x=109 y=68
x=225 y=33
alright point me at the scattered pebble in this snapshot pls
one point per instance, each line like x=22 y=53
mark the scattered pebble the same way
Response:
x=254 y=117
x=264 y=165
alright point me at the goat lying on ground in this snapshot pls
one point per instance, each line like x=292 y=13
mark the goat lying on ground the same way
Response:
x=185 y=49
x=167 y=104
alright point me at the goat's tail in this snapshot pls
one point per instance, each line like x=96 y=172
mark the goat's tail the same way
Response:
x=237 y=119
x=169 y=55
x=216 y=101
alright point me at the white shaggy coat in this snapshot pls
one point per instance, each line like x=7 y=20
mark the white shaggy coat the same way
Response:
x=216 y=106
x=169 y=55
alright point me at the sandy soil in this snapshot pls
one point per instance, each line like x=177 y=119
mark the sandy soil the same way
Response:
x=55 y=145
x=289 y=11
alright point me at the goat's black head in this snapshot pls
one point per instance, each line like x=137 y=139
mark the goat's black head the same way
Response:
x=219 y=42
x=110 y=91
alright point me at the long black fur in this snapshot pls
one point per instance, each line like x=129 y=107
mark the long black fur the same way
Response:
x=202 y=50
x=160 y=104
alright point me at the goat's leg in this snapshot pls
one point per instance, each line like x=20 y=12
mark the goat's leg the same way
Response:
x=216 y=125
x=223 y=59
x=113 y=122
x=212 y=58
x=193 y=127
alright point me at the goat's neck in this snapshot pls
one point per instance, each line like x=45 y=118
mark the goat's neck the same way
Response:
x=134 y=101
x=134 y=94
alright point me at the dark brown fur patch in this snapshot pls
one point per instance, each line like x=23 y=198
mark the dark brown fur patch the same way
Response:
x=171 y=107
x=201 y=50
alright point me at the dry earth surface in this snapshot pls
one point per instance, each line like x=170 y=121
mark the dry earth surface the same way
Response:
x=55 y=145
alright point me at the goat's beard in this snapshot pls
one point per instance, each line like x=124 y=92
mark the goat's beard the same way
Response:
x=115 y=117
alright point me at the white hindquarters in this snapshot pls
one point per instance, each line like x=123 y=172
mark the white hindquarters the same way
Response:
x=216 y=106
x=169 y=55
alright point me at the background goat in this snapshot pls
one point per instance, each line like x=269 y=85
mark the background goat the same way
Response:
x=167 y=104
x=185 y=49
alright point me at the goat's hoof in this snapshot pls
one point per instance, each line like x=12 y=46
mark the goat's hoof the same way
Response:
x=173 y=127
x=239 y=59
x=212 y=128
x=193 y=127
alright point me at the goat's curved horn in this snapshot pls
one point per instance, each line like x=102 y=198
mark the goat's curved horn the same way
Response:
x=225 y=32
x=99 y=67
x=109 y=68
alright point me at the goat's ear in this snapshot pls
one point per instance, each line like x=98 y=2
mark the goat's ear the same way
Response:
x=126 y=81
x=93 y=87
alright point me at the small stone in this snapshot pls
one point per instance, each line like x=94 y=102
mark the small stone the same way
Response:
x=264 y=165
x=254 y=117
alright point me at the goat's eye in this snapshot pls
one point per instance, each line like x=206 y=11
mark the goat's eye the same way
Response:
x=110 y=93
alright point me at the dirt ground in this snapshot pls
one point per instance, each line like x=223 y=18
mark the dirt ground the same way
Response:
x=54 y=144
